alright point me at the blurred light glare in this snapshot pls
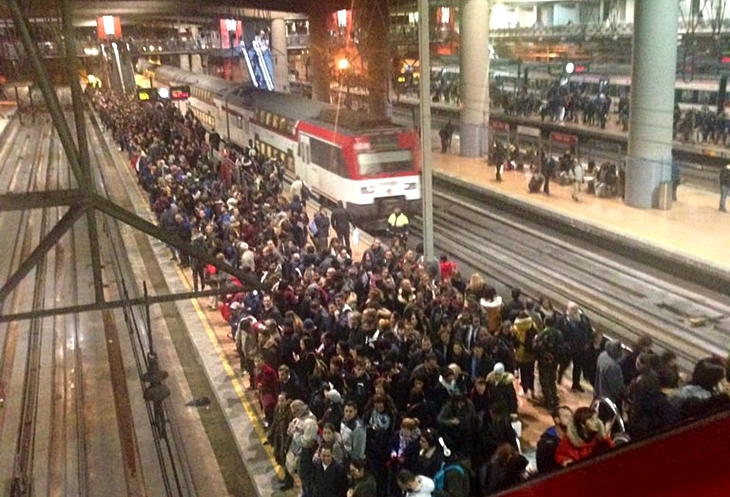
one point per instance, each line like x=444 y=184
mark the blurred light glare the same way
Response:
x=343 y=64
x=108 y=22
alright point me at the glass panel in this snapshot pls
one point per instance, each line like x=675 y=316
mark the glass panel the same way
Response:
x=370 y=164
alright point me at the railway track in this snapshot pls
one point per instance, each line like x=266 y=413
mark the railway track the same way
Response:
x=623 y=297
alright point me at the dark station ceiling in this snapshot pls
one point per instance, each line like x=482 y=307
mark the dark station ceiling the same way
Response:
x=150 y=10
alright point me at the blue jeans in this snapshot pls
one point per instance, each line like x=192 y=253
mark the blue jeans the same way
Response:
x=724 y=191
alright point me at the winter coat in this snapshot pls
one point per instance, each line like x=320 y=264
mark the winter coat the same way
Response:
x=501 y=388
x=573 y=448
x=524 y=332
x=609 y=378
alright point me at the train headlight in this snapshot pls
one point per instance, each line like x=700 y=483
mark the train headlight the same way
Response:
x=411 y=186
x=367 y=190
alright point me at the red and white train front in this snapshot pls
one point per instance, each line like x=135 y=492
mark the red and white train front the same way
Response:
x=371 y=172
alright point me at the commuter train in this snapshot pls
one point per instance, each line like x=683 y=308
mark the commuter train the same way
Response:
x=369 y=163
x=612 y=80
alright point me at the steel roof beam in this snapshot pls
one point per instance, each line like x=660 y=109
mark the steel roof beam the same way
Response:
x=33 y=200
x=46 y=244
x=116 y=304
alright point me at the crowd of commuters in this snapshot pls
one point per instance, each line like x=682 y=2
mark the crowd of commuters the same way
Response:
x=384 y=374
x=570 y=103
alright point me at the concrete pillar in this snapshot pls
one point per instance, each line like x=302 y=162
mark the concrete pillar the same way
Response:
x=279 y=54
x=185 y=61
x=373 y=18
x=474 y=77
x=196 y=63
x=653 y=74
x=319 y=71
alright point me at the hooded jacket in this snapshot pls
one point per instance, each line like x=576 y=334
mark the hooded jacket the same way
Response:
x=573 y=448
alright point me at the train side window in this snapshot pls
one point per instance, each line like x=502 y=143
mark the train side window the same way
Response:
x=327 y=156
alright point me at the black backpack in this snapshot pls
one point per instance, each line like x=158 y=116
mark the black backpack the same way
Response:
x=545 y=453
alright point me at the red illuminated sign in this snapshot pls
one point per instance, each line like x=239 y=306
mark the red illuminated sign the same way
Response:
x=725 y=59
x=179 y=92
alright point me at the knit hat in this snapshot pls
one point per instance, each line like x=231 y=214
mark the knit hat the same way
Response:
x=334 y=396
x=308 y=324
x=498 y=368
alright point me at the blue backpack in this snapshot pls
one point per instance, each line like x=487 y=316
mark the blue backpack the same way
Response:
x=439 y=478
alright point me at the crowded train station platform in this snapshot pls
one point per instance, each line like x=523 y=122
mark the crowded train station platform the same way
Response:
x=382 y=360
x=290 y=331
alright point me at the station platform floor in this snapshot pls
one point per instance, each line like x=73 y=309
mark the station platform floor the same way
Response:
x=691 y=230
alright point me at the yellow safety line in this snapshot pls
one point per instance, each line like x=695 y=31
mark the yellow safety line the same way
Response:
x=235 y=378
x=237 y=385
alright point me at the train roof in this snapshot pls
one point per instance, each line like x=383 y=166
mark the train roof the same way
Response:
x=210 y=83
x=299 y=108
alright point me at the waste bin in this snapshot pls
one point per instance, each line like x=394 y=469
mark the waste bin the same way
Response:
x=664 y=196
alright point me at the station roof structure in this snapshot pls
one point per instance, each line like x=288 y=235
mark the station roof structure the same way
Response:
x=179 y=8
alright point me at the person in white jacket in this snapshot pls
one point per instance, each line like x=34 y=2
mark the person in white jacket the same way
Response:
x=415 y=485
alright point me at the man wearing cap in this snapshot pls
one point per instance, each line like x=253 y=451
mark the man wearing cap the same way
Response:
x=724 y=187
x=309 y=327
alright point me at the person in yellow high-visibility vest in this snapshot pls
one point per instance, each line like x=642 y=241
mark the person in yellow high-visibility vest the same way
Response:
x=398 y=224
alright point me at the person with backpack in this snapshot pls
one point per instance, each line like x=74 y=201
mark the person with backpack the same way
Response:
x=547 y=347
x=452 y=480
x=550 y=439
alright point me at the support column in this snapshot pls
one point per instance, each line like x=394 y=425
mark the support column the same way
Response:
x=318 y=68
x=279 y=53
x=474 y=77
x=185 y=62
x=196 y=63
x=653 y=74
x=373 y=19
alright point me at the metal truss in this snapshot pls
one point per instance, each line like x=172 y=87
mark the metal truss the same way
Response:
x=84 y=201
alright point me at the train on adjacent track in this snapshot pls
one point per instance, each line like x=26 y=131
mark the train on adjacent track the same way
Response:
x=369 y=163
x=613 y=80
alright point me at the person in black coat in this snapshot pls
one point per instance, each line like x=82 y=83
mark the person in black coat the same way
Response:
x=578 y=332
x=340 y=221
x=330 y=477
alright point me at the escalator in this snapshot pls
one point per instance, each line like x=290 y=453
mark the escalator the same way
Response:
x=692 y=460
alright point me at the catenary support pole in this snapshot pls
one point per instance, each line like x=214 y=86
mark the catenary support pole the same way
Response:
x=424 y=57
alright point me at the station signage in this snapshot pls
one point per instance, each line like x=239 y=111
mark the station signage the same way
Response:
x=172 y=93
x=145 y=94
x=179 y=92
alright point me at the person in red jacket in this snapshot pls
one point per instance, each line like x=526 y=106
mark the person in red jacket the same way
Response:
x=267 y=385
x=586 y=437
x=447 y=267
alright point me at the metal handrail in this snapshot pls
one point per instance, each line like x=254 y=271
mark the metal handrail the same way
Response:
x=618 y=421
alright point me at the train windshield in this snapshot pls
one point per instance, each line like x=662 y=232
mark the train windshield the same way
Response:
x=374 y=163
